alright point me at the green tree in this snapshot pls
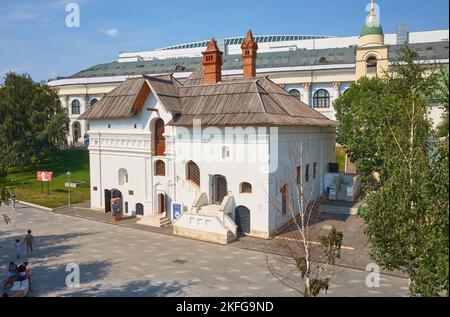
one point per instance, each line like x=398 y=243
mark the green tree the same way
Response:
x=407 y=217
x=33 y=123
x=441 y=98
x=362 y=127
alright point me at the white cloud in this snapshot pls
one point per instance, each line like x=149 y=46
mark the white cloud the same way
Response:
x=111 y=32
x=17 y=16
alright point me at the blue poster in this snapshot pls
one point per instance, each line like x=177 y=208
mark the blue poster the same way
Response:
x=177 y=210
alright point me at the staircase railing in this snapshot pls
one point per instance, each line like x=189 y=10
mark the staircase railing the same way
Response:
x=226 y=209
x=199 y=202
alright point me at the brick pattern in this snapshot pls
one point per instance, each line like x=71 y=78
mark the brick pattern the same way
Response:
x=212 y=64
x=249 y=54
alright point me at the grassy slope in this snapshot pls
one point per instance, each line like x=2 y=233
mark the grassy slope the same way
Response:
x=28 y=189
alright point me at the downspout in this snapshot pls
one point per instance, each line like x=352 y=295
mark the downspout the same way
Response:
x=100 y=168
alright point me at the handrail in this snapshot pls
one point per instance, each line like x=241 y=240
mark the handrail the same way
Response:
x=199 y=202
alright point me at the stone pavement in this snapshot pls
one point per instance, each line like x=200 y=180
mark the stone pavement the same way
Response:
x=123 y=261
x=355 y=253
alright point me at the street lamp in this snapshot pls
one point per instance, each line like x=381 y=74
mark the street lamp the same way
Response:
x=68 y=176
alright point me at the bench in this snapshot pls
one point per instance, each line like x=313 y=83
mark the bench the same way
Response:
x=20 y=289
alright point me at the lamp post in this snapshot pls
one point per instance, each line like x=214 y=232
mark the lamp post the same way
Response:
x=68 y=176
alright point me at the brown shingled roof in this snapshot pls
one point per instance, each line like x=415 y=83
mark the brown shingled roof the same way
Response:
x=123 y=102
x=239 y=101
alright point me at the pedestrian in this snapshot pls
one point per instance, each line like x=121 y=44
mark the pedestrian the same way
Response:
x=29 y=240
x=13 y=200
x=18 y=248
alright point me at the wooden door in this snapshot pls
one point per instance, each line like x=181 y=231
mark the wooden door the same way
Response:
x=161 y=203
x=160 y=141
x=220 y=189
x=242 y=219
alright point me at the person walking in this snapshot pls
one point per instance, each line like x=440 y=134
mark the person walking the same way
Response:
x=18 y=248
x=13 y=200
x=29 y=240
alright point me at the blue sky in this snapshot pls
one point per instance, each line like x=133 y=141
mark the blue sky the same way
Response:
x=34 y=38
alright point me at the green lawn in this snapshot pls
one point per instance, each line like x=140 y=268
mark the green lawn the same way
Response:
x=24 y=182
x=340 y=158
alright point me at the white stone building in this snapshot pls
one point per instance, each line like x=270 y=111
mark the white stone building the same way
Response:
x=234 y=173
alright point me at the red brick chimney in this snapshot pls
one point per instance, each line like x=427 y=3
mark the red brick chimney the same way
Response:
x=212 y=64
x=249 y=49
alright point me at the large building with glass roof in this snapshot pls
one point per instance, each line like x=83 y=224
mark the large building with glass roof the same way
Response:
x=314 y=69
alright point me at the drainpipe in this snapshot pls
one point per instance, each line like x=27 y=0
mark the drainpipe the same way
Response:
x=100 y=168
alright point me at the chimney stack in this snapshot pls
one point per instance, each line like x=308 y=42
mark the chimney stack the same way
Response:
x=212 y=64
x=249 y=55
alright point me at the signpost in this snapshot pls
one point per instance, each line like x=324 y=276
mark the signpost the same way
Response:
x=177 y=210
x=68 y=176
x=45 y=177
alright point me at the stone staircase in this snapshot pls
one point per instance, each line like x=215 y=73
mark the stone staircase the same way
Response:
x=157 y=221
x=210 y=210
x=340 y=208
x=208 y=222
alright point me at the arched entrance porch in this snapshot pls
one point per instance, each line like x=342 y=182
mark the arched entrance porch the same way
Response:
x=219 y=189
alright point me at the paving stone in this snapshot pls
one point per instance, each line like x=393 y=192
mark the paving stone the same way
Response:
x=111 y=265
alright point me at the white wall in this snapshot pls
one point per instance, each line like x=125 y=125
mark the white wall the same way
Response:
x=317 y=145
x=237 y=169
x=125 y=144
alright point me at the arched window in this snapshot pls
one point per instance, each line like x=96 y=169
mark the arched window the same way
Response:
x=123 y=177
x=160 y=141
x=246 y=188
x=76 y=131
x=139 y=209
x=321 y=99
x=225 y=152
x=160 y=168
x=372 y=65
x=76 y=109
x=93 y=102
x=295 y=93
x=193 y=173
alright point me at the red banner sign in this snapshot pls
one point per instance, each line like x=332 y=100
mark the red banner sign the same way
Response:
x=44 y=176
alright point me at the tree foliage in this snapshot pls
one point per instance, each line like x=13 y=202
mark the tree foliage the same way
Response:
x=361 y=129
x=33 y=123
x=441 y=98
x=407 y=218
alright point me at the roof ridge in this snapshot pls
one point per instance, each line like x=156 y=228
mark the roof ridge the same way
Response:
x=277 y=102
x=258 y=87
x=231 y=82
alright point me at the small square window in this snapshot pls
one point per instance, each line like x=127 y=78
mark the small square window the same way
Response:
x=131 y=192
x=95 y=189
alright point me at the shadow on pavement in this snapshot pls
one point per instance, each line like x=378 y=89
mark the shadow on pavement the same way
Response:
x=134 y=289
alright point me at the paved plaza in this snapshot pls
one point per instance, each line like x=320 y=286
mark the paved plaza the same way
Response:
x=122 y=261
